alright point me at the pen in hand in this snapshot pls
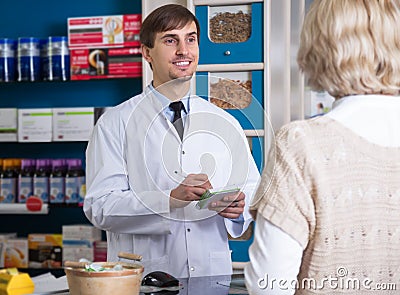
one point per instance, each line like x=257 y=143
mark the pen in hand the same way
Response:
x=183 y=175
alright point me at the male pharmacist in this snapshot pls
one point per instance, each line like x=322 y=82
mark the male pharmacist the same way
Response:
x=151 y=158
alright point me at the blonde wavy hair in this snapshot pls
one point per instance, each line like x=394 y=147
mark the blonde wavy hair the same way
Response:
x=352 y=47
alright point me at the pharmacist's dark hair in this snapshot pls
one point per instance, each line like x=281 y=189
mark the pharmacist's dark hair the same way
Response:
x=166 y=18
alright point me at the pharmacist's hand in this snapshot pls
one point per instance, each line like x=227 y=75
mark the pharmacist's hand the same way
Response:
x=231 y=206
x=191 y=189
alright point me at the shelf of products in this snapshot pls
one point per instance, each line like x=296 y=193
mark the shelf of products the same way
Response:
x=97 y=93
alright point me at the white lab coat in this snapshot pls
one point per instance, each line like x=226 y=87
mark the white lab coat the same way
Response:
x=132 y=160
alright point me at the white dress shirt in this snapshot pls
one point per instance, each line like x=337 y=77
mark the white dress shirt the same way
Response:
x=274 y=255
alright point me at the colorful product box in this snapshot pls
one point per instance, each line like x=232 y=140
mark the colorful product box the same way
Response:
x=100 y=251
x=100 y=63
x=104 y=31
x=16 y=254
x=3 y=245
x=45 y=250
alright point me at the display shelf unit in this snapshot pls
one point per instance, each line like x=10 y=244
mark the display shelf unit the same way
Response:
x=42 y=19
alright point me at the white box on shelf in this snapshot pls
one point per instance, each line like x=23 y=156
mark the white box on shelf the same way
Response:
x=77 y=253
x=34 y=125
x=81 y=232
x=8 y=124
x=72 y=124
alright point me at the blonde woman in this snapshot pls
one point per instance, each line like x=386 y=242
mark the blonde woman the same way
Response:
x=328 y=206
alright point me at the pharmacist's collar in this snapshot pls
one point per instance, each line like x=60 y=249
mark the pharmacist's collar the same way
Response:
x=165 y=101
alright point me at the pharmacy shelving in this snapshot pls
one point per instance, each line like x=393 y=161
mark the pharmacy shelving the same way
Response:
x=36 y=20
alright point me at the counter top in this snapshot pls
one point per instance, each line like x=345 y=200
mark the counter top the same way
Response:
x=215 y=285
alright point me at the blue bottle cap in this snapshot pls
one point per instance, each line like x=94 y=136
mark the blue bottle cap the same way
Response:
x=28 y=40
x=7 y=41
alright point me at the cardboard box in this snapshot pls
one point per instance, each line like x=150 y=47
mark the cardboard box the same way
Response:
x=100 y=251
x=3 y=245
x=16 y=254
x=35 y=125
x=101 y=63
x=77 y=253
x=104 y=31
x=45 y=250
x=8 y=124
x=81 y=232
x=72 y=124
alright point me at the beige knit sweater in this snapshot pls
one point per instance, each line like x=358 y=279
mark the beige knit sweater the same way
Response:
x=338 y=195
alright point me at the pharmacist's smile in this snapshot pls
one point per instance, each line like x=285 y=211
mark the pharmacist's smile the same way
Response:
x=183 y=64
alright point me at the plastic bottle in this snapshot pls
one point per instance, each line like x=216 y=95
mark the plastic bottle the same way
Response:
x=25 y=179
x=57 y=181
x=7 y=60
x=41 y=179
x=28 y=59
x=74 y=181
x=9 y=178
x=55 y=59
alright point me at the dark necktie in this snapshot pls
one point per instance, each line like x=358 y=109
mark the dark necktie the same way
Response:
x=177 y=106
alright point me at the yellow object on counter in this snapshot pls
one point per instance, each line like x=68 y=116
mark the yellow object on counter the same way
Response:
x=13 y=282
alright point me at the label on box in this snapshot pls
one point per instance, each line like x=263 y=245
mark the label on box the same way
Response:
x=104 y=31
x=100 y=63
x=34 y=125
x=72 y=124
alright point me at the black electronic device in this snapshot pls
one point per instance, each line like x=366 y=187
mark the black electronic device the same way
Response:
x=160 y=279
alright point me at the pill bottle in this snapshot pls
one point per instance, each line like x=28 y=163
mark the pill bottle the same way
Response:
x=9 y=177
x=7 y=60
x=74 y=181
x=25 y=179
x=41 y=185
x=28 y=59
x=57 y=181
x=55 y=59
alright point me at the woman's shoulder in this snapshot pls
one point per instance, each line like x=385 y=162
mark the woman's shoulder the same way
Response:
x=302 y=130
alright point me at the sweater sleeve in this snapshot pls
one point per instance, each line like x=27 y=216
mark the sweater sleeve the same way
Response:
x=284 y=196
